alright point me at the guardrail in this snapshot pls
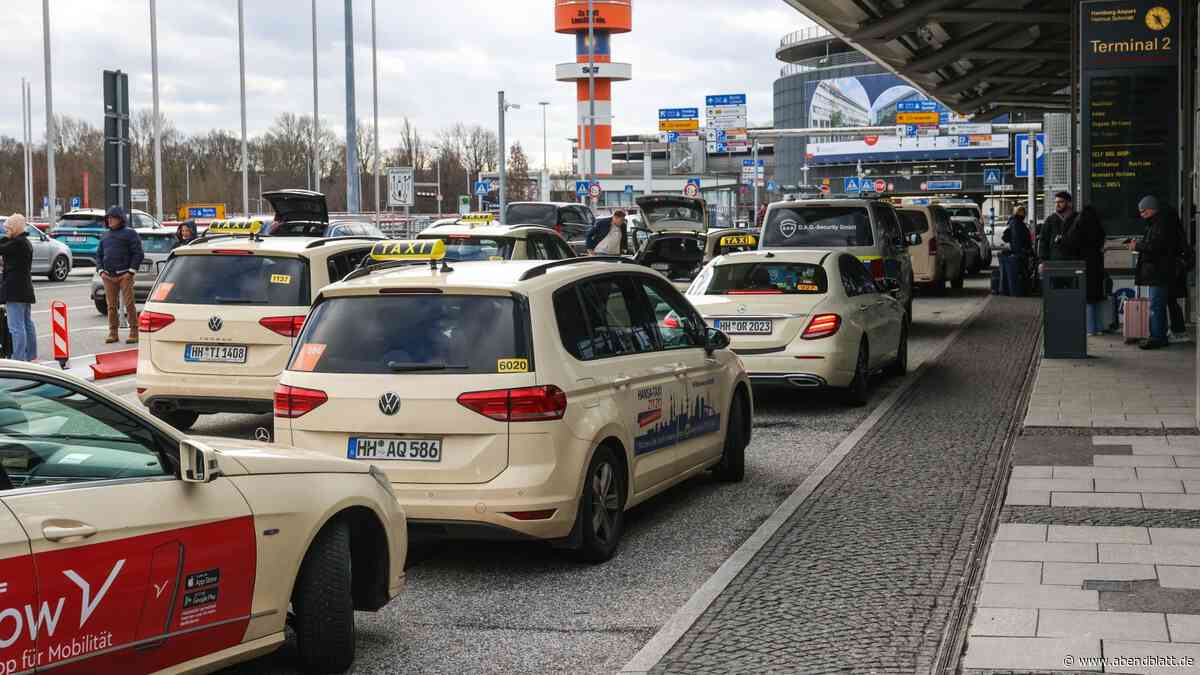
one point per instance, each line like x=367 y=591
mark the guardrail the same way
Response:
x=803 y=35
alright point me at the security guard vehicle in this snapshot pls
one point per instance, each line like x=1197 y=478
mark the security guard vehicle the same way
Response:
x=516 y=399
x=221 y=319
x=467 y=241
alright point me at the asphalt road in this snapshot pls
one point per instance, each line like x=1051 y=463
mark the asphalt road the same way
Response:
x=492 y=608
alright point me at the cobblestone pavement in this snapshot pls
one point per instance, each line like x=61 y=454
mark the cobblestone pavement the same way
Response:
x=865 y=575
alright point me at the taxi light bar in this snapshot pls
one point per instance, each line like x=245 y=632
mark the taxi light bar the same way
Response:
x=822 y=326
x=148 y=321
x=292 y=402
x=287 y=326
x=525 y=404
x=409 y=249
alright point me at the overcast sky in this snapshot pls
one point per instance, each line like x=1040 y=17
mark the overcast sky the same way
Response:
x=440 y=61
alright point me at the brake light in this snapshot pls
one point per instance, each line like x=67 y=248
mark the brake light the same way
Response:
x=933 y=246
x=822 y=326
x=292 y=402
x=876 y=268
x=232 y=251
x=526 y=404
x=288 y=326
x=148 y=321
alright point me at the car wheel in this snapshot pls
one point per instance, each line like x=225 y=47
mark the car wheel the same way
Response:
x=900 y=366
x=60 y=269
x=101 y=306
x=732 y=467
x=858 y=393
x=180 y=419
x=323 y=603
x=601 y=517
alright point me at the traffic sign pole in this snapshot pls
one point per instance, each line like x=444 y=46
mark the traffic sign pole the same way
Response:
x=1031 y=154
x=754 y=158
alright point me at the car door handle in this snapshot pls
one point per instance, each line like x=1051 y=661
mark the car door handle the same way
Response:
x=621 y=381
x=60 y=532
x=863 y=308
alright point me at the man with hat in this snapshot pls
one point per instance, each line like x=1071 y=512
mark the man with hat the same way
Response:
x=118 y=257
x=1049 y=245
x=1157 y=251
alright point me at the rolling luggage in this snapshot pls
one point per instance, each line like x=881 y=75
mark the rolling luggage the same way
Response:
x=996 y=281
x=6 y=346
x=1137 y=319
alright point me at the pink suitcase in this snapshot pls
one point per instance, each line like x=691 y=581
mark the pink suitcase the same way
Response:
x=1137 y=319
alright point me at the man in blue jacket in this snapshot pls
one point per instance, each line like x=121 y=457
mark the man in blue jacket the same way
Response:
x=607 y=236
x=118 y=258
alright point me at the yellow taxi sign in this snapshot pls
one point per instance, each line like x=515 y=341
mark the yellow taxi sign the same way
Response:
x=409 y=249
x=477 y=218
x=739 y=240
x=235 y=226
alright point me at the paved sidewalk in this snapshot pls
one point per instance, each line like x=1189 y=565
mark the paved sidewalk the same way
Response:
x=1117 y=387
x=1098 y=556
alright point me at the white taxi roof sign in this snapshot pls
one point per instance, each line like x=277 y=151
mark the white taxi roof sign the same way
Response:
x=235 y=226
x=409 y=249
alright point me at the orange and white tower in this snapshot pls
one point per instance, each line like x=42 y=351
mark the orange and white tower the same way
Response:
x=608 y=17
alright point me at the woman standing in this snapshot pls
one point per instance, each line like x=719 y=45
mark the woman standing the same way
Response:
x=185 y=233
x=1084 y=240
x=17 y=282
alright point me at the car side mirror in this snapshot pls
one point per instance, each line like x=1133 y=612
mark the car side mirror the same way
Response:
x=714 y=340
x=197 y=462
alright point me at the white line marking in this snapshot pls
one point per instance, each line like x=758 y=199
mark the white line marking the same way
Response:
x=679 y=623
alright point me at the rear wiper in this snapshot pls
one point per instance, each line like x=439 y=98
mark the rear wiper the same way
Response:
x=403 y=367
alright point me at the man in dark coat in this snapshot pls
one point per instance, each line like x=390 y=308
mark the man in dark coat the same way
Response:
x=1051 y=233
x=1157 y=251
x=1085 y=241
x=1016 y=235
x=118 y=257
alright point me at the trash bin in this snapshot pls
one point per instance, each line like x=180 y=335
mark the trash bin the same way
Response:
x=1064 y=309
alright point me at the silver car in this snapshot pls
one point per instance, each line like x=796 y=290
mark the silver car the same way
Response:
x=50 y=256
x=157 y=244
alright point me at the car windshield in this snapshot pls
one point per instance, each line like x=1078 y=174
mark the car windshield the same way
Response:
x=233 y=280
x=531 y=214
x=659 y=213
x=768 y=278
x=818 y=227
x=464 y=247
x=430 y=334
x=154 y=243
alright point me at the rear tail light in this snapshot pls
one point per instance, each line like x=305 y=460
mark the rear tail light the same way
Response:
x=526 y=404
x=232 y=251
x=148 y=322
x=292 y=402
x=933 y=246
x=876 y=267
x=822 y=326
x=288 y=326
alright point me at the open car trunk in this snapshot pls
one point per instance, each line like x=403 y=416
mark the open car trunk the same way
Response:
x=678 y=256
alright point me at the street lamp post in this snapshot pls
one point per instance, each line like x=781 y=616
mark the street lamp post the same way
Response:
x=352 y=179
x=375 y=96
x=504 y=107
x=242 y=78
x=158 y=208
x=316 y=125
x=545 y=156
x=51 y=131
x=591 y=125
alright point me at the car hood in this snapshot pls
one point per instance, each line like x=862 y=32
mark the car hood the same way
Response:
x=253 y=457
x=299 y=205
x=648 y=203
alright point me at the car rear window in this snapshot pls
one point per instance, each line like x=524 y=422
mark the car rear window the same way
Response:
x=157 y=244
x=818 y=227
x=531 y=214
x=768 y=278
x=962 y=211
x=86 y=221
x=426 y=334
x=913 y=221
x=233 y=280
x=463 y=247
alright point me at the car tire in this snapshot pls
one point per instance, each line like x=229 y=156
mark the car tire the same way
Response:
x=601 y=517
x=101 y=306
x=323 y=603
x=59 y=269
x=732 y=467
x=899 y=367
x=858 y=393
x=180 y=419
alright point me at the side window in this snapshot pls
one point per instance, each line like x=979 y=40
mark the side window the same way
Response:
x=564 y=251
x=51 y=434
x=853 y=273
x=338 y=267
x=679 y=327
x=862 y=279
x=609 y=327
x=539 y=248
x=570 y=216
x=354 y=257
x=889 y=227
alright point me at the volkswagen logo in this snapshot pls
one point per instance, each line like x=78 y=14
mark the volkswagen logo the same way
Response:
x=389 y=403
x=215 y=323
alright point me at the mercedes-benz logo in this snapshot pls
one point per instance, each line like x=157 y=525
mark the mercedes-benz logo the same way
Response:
x=741 y=309
x=262 y=434
x=215 y=323
x=389 y=403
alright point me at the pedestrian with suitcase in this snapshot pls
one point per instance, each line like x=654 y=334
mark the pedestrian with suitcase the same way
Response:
x=1085 y=241
x=17 y=253
x=1157 y=250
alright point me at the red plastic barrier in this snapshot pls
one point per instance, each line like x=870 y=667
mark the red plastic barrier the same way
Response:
x=115 y=364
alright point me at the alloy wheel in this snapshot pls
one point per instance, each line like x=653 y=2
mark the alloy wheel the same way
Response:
x=605 y=502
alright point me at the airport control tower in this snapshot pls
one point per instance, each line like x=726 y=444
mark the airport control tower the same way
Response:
x=609 y=16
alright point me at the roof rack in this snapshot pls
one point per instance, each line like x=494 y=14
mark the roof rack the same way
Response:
x=541 y=269
x=329 y=240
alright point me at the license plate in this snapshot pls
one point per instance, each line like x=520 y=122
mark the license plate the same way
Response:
x=410 y=449
x=660 y=267
x=744 y=326
x=77 y=240
x=214 y=353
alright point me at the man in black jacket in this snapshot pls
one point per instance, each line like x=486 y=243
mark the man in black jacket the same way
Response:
x=1049 y=245
x=1157 y=252
x=118 y=258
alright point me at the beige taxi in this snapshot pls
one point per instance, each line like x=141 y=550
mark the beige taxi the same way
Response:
x=938 y=260
x=126 y=547
x=807 y=319
x=516 y=399
x=468 y=241
x=221 y=320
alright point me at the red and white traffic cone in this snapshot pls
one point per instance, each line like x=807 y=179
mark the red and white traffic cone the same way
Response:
x=61 y=337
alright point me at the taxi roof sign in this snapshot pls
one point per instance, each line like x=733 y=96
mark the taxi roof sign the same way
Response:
x=409 y=249
x=477 y=218
x=738 y=240
x=248 y=226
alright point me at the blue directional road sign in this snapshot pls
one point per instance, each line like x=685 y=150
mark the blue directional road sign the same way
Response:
x=850 y=185
x=75 y=203
x=1021 y=141
x=991 y=176
x=937 y=185
x=672 y=136
x=482 y=187
x=678 y=113
x=581 y=188
x=772 y=186
x=725 y=99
